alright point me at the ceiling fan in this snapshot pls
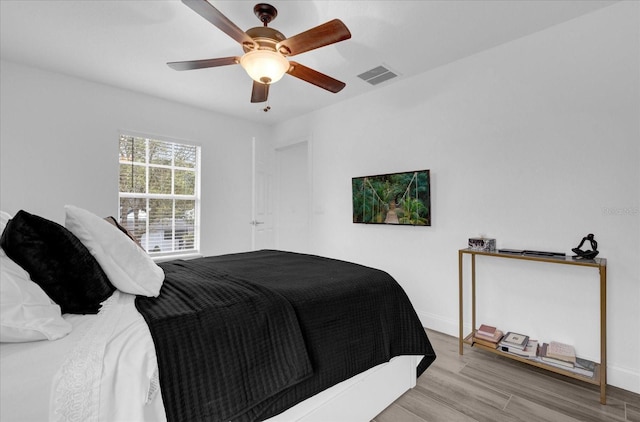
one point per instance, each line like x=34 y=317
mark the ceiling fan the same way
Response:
x=266 y=49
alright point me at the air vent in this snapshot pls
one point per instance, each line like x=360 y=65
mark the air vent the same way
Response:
x=377 y=75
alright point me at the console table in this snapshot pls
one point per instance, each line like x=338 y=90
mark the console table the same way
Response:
x=600 y=374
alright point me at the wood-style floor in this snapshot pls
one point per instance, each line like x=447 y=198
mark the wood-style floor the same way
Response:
x=482 y=386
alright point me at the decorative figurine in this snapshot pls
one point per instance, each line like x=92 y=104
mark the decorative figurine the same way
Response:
x=589 y=254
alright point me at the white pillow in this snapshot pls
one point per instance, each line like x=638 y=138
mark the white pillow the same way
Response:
x=127 y=265
x=26 y=312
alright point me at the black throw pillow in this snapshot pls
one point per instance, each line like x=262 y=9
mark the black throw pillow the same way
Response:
x=58 y=262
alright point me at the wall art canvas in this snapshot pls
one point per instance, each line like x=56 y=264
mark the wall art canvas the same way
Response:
x=394 y=198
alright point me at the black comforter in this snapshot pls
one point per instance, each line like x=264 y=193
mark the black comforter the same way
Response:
x=245 y=336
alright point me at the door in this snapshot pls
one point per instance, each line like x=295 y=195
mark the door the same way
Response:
x=262 y=218
x=292 y=210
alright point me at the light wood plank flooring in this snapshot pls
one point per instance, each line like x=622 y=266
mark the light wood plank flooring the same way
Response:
x=482 y=386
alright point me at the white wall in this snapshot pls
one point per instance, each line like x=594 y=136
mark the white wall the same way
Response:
x=59 y=145
x=535 y=143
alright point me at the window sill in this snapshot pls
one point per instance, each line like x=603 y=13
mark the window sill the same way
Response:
x=174 y=257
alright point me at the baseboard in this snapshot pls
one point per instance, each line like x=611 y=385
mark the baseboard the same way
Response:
x=624 y=378
x=438 y=323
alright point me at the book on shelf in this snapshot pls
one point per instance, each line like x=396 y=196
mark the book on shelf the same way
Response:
x=530 y=350
x=514 y=340
x=494 y=338
x=511 y=251
x=488 y=341
x=534 y=253
x=544 y=253
x=485 y=343
x=584 y=367
x=486 y=331
x=574 y=370
x=544 y=356
x=561 y=351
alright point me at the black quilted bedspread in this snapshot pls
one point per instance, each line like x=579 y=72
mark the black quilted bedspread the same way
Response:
x=243 y=337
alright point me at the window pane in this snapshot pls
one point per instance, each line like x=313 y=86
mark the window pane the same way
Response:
x=132 y=182
x=139 y=150
x=185 y=224
x=132 y=148
x=184 y=183
x=160 y=152
x=133 y=216
x=126 y=178
x=159 y=237
x=159 y=211
x=126 y=146
x=159 y=180
x=185 y=156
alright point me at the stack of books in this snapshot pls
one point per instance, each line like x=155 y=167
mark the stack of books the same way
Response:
x=519 y=344
x=558 y=354
x=488 y=336
x=530 y=350
x=564 y=356
x=513 y=341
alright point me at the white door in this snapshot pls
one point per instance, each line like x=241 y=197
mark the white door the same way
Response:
x=294 y=195
x=262 y=230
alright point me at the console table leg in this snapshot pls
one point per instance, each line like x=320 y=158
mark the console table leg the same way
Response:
x=460 y=313
x=603 y=334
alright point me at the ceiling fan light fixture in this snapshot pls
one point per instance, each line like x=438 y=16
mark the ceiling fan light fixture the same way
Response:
x=264 y=66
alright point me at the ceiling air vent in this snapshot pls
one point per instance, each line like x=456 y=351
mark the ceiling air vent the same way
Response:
x=377 y=75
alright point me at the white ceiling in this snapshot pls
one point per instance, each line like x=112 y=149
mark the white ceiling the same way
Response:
x=127 y=43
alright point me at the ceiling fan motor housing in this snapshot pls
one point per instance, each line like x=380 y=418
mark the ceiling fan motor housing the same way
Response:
x=265 y=37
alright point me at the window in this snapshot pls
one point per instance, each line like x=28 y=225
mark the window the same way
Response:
x=159 y=194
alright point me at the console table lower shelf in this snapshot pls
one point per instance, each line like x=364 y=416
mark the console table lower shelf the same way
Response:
x=594 y=379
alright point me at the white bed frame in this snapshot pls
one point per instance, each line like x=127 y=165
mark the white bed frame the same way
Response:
x=360 y=398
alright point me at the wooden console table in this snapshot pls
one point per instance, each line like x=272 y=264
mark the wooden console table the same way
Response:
x=600 y=374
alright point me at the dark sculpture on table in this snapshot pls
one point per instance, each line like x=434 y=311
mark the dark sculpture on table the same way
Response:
x=588 y=254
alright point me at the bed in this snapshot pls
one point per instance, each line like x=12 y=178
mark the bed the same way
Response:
x=264 y=335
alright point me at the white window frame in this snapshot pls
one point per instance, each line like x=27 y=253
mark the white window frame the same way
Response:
x=196 y=197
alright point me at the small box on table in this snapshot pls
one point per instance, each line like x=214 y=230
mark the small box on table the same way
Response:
x=482 y=244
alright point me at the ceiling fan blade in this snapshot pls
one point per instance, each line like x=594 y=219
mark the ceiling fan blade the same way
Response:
x=314 y=77
x=201 y=64
x=259 y=93
x=328 y=33
x=213 y=15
